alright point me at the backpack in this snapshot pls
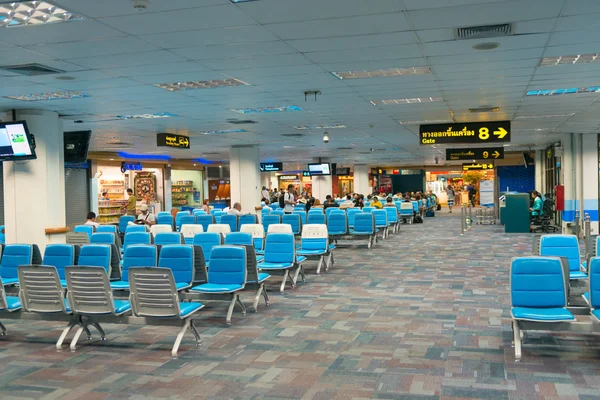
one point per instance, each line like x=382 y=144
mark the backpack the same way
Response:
x=430 y=213
x=439 y=207
x=418 y=219
x=282 y=200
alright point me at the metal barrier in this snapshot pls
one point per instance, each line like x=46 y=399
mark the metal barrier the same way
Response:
x=462 y=220
x=587 y=232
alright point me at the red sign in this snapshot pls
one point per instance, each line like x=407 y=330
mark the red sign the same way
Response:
x=396 y=171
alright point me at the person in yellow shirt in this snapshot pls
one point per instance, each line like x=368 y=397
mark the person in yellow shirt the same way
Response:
x=376 y=203
x=130 y=207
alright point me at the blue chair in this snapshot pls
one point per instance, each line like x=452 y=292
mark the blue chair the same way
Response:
x=564 y=246
x=103 y=238
x=315 y=244
x=136 y=238
x=2 y=235
x=226 y=276
x=293 y=220
x=199 y=212
x=163 y=213
x=415 y=205
x=316 y=210
x=397 y=203
x=367 y=204
x=15 y=255
x=407 y=212
x=186 y=220
x=258 y=235
x=110 y=229
x=96 y=255
x=364 y=225
x=316 y=218
x=247 y=219
x=381 y=222
x=368 y=209
x=300 y=207
x=593 y=296
x=124 y=222
x=61 y=256
x=231 y=220
x=274 y=206
x=87 y=229
x=135 y=256
x=392 y=216
x=135 y=228
x=208 y=240
x=302 y=215
x=218 y=214
x=278 y=212
x=167 y=238
x=270 y=220
x=329 y=210
x=239 y=239
x=538 y=293
x=7 y=304
x=337 y=224
x=205 y=221
x=178 y=218
x=179 y=258
x=165 y=220
x=266 y=210
x=280 y=257
x=351 y=213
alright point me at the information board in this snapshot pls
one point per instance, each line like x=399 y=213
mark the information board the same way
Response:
x=477 y=167
x=484 y=153
x=467 y=132
x=172 y=140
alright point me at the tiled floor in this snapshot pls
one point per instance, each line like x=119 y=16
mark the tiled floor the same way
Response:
x=423 y=315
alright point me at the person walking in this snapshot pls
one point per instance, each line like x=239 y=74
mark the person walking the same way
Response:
x=131 y=203
x=450 y=192
x=289 y=199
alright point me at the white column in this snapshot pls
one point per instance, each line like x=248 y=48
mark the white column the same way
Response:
x=244 y=176
x=569 y=173
x=168 y=203
x=321 y=187
x=361 y=179
x=34 y=190
x=590 y=179
x=539 y=171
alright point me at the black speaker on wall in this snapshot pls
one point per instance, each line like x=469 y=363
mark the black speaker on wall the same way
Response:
x=333 y=168
x=76 y=146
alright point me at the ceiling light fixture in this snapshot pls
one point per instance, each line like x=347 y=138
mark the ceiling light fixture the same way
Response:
x=308 y=127
x=223 y=132
x=562 y=60
x=216 y=83
x=266 y=109
x=146 y=116
x=48 y=96
x=544 y=116
x=486 y=46
x=424 y=122
x=380 y=73
x=553 y=92
x=406 y=101
x=25 y=13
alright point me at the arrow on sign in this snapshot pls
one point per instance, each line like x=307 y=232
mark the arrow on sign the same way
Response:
x=496 y=154
x=501 y=132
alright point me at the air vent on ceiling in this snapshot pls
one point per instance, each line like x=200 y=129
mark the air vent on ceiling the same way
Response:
x=484 y=109
x=31 y=69
x=241 y=121
x=484 y=31
x=292 y=134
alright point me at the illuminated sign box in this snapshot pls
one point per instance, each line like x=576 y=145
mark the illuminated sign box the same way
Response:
x=487 y=153
x=171 y=140
x=271 y=167
x=288 y=177
x=477 y=167
x=466 y=132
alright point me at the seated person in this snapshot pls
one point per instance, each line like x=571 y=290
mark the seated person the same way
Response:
x=266 y=206
x=146 y=217
x=538 y=204
x=389 y=202
x=330 y=202
x=348 y=203
x=376 y=203
x=91 y=220
x=235 y=210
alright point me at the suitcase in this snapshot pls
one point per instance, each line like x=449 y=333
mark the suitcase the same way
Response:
x=430 y=213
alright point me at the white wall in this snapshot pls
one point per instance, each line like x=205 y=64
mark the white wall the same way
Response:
x=245 y=177
x=361 y=179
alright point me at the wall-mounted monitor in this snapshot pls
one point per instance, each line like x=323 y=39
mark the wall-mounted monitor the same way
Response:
x=76 y=146
x=319 y=169
x=16 y=143
x=342 y=171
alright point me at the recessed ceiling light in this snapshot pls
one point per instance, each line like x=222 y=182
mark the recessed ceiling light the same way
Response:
x=25 y=13
x=484 y=109
x=380 y=73
x=217 y=83
x=48 y=96
x=266 y=109
x=544 y=116
x=111 y=159
x=553 y=92
x=307 y=127
x=486 y=46
x=406 y=101
x=223 y=132
x=146 y=116
x=576 y=59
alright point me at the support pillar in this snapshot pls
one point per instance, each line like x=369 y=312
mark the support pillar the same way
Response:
x=321 y=185
x=34 y=190
x=361 y=179
x=569 y=179
x=244 y=176
x=539 y=171
x=589 y=182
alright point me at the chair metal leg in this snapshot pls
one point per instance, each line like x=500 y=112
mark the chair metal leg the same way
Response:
x=319 y=265
x=74 y=321
x=230 y=310
x=196 y=333
x=99 y=329
x=297 y=273
x=517 y=339
x=283 y=281
x=186 y=326
x=76 y=337
x=369 y=244
x=261 y=287
x=293 y=278
x=241 y=304
x=266 y=296
x=3 y=328
x=87 y=331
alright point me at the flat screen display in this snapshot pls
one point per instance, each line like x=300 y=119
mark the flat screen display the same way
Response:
x=16 y=142
x=319 y=169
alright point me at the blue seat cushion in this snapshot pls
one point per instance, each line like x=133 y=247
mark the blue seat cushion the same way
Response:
x=182 y=285
x=596 y=314
x=186 y=309
x=311 y=252
x=217 y=288
x=119 y=285
x=300 y=259
x=270 y=265
x=13 y=303
x=542 y=314
x=10 y=281
x=122 y=306
x=263 y=276
x=577 y=275
x=331 y=247
x=63 y=283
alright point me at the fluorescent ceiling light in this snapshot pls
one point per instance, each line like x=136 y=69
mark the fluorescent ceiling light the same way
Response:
x=424 y=122
x=561 y=60
x=217 y=83
x=308 y=127
x=380 y=73
x=241 y=1
x=131 y=156
x=544 y=116
x=24 y=13
x=266 y=109
x=48 y=96
x=553 y=92
x=223 y=132
x=146 y=116
x=406 y=101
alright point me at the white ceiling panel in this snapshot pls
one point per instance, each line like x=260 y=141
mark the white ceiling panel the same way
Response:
x=435 y=35
x=210 y=37
x=366 y=54
x=236 y=50
x=107 y=8
x=489 y=57
x=589 y=21
x=575 y=7
x=128 y=60
x=58 y=33
x=157 y=69
x=353 y=42
x=466 y=46
x=256 y=62
x=92 y=48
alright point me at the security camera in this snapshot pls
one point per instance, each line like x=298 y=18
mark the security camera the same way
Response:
x=140 y=5
x=326 y=137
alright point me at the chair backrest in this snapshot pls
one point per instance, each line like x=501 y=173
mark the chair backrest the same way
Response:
x=136 y=238
x=406 y=208
x=392 y=214
x=156 y=229
x=300 y=207
x=77 y=238
x=239 y=239
x=351 y=213
x=167 y=238
x=96 y=255
x=269 y=220
x=103 y=238
x=266 y=210
x=315 y=237
x=110 y=229
x=301 y=213
x=135 y=228
x=316 y=210
x=251 y=264
x=88 y=290
x=231 y=220
x=139 y=255
x=594 y=274
x=178 y=217
x=537 y=282
x=180 y=259
x=199 y=212
x=415 y=205
x=88 y=229
x=398 y=204
x=189 y=230
x=337 y=224
x=218 y=214
x=161 y=213
x=165 y=220
x=315 y=218
x=124 y=221
x=381 y=219
x=223 y=229
x=208 y=240
x=186 y=220
x=295 y=222
x=247 y=219
x=205 y=221
x=228 y=265
x=364 y=223
x=280 y=228
x=277 y=212
x=280 y=248
x=368 y=209
x=13 y=256
x=61 y=256
x=153 y=292
x=40 y=289
x=258 y=234
x=562 y=246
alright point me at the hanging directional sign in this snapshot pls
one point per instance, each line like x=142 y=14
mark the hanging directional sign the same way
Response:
x=482 y=153
x=477 y=167
x=172 y=140
x=468 y=132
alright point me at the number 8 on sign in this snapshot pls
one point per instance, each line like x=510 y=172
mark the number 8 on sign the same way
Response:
x=484 y=133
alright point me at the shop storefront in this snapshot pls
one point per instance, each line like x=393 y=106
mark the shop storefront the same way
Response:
x=482 y=181
x=286 y=180
x=187 y=184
